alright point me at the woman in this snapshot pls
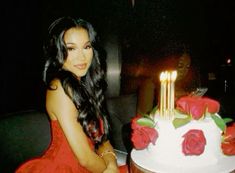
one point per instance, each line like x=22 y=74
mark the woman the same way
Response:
x=75 y=104
x=143 y=79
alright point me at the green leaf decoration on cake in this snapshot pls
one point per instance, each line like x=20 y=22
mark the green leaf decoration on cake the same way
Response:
x=146 y=122
x=219 y=122
x=178 y=122
x=227 y=120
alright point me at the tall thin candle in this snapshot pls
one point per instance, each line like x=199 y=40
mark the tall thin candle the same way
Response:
x=173 y=78
x=168 y=90
x=162 y=93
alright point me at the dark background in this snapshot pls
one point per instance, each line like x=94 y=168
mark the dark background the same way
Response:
x=207 y=26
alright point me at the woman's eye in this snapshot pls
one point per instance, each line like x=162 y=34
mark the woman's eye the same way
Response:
x=70 y=48
x=180 y=65
x=88 y=47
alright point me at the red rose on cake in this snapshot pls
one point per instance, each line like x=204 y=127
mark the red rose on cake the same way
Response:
x=213 y=106
x=228 y=144
x=197 y=106
x=194 y=142
x=143 y=132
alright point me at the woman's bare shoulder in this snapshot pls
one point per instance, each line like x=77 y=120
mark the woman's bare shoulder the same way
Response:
x=55 y=91
x=57 y=101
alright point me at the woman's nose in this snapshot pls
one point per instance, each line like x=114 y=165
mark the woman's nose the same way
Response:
x=80 y=55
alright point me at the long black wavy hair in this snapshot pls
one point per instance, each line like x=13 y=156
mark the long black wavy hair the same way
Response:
x=87 y=93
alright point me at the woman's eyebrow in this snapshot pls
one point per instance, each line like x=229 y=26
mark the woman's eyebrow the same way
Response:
x=70 y=43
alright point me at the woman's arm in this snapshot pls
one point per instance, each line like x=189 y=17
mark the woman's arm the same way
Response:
x=60 y=106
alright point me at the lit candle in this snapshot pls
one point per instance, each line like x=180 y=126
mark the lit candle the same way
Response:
x=168 y=91
x=162 y=93
x=173 y=78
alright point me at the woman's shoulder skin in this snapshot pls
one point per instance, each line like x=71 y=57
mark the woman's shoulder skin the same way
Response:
x=60 y=107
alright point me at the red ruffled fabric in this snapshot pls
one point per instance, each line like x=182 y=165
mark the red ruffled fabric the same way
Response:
x=58 y=158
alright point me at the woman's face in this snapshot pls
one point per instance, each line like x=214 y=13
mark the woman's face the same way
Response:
x=183 y=66
x=80 y=51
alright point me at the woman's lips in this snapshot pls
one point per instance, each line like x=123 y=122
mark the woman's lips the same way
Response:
x=80 y=66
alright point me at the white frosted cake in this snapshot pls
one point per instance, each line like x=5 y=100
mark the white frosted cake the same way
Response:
x=187 y=141
x=168 y=147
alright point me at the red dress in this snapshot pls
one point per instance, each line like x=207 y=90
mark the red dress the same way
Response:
x=58 y=158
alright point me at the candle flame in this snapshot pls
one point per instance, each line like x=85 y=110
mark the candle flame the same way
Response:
x=168 y=76
x=173 y=75
x=163 y=76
